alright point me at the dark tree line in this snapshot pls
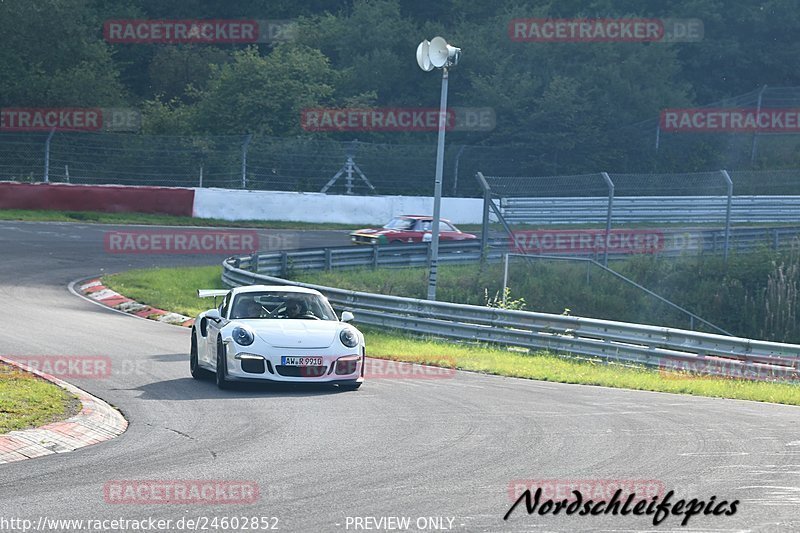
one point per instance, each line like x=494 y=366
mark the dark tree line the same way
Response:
x=571 y=103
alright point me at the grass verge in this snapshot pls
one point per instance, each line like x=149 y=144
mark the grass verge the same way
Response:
x=28 y=401
x=176 y=289
x=158 y=220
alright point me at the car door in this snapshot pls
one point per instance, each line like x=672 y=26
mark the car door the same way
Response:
x=213 y=329
x=423 y=230
x=448 y=233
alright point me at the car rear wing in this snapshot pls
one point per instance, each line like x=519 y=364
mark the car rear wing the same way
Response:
x=208 y=293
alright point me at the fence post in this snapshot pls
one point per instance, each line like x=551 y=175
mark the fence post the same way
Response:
x=455 y=172
x=755 y=133
x=610 y=185
x=201 y=176
x=487 y=198
x=47 y=155
x=727 y=214
x=245 y=144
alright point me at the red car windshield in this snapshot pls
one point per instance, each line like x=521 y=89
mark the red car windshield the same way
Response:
x=400 y=223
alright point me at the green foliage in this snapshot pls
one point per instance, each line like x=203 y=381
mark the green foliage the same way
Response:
x=503 y=302
x=264 y=94
x=565 y=105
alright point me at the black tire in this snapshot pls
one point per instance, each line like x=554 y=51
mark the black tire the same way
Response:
x=194 y=366
x=222 y=383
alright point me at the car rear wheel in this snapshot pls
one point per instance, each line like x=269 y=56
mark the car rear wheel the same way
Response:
x=222 y=383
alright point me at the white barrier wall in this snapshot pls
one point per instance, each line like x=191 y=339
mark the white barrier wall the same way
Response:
x=230 y=204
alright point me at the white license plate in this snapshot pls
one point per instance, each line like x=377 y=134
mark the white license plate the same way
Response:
x=301 y=361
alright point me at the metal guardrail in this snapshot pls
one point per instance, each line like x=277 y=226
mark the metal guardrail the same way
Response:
x=653 y=346
x=653 y=209
x=409 y=255
x=386 y=256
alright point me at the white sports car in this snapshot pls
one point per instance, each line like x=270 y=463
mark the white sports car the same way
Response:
x=276 y=333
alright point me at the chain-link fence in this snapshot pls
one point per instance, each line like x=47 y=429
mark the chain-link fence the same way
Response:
x=353 y=167
x=648 y=146
x=253 y=162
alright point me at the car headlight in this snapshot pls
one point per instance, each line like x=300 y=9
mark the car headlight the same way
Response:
x=242 y=336
x=349 y=338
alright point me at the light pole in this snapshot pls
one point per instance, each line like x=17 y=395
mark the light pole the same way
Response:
x=436 y=53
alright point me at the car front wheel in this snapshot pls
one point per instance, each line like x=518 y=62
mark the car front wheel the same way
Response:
x=222 y=383
x=194 y=366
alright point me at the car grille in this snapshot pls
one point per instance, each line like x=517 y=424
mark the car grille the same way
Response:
x=301 y=371
x=364 y=239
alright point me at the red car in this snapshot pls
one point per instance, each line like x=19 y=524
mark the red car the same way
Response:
x=409 y=229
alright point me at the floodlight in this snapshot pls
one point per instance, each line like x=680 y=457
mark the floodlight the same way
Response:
x=423 y=59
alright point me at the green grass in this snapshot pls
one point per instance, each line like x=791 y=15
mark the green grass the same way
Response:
x=160 y=220
x=175 y=290
x=28 y=401
x=545 y=366
x=171 y=289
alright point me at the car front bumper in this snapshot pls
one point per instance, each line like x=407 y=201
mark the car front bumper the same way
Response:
x=335 y=368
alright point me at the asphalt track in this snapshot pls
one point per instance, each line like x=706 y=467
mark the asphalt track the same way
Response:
x=396 y=448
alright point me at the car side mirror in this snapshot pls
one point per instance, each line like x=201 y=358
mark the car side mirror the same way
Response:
x=347 y=316
x=214 y=315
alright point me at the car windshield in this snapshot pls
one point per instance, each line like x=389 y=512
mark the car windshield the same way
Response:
x=282 y=305
x=400 y=223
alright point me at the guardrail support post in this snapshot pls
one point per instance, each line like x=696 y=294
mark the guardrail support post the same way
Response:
x=284 y=264
x=328 y=260
x=375 y=256
x=254 y=262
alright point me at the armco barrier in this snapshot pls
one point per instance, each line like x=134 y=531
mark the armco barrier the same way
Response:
x=652 y=209
x=652 y=346
x=104 y=198
x=679 y=241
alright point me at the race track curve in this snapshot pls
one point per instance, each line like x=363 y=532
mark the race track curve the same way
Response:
x=413 y=448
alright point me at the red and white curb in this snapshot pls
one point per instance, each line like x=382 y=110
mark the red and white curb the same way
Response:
x=96 y=422
x=96 y=291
